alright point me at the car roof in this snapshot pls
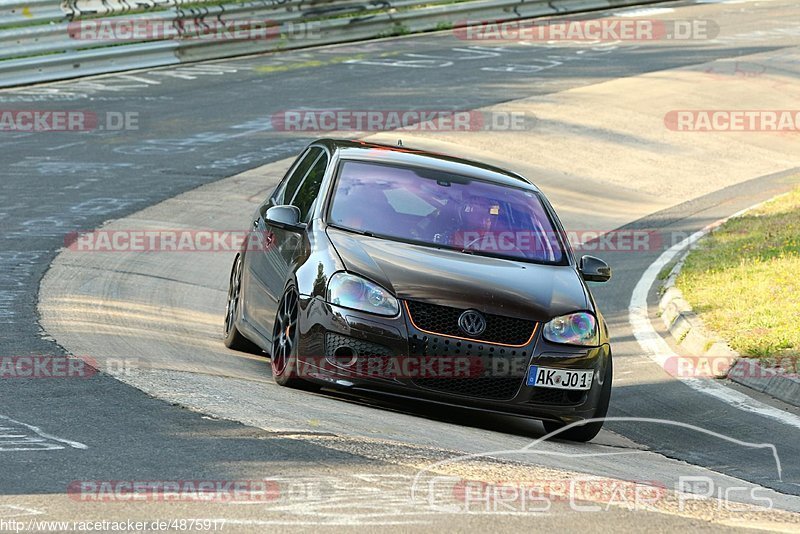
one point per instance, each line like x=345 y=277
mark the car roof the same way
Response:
x=378 y=152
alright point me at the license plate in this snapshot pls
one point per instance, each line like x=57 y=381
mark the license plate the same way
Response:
x=560 y=378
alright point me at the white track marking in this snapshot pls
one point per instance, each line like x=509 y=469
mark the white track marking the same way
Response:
x=724 y=1
x=11 y=510
x=643 y=12
x=659 y=351
x=27 y=443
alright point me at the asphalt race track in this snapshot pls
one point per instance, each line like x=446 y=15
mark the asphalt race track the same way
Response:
x=204 y=150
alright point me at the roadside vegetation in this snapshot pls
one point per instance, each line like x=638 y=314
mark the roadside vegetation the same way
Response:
x=744 y=280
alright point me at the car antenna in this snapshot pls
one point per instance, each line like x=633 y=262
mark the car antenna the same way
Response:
x=399 y=142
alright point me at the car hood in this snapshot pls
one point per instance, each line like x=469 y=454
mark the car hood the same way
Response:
x=453 y=278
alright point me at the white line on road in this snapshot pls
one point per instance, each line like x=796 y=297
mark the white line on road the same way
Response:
x=40 y=433
x=12 y=510
x=643 y=12
x=659 y=351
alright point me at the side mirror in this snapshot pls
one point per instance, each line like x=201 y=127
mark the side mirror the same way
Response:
x=286 y=217
x=594 y=269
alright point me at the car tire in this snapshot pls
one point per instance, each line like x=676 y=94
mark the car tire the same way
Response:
x=233 y=338
x=588 y=431
x=285 y=339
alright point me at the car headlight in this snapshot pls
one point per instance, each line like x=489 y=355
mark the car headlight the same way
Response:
x=351 y=291
x=573 y=329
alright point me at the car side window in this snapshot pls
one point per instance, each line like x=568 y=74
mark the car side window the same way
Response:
x=287 y=189
x=308 y=191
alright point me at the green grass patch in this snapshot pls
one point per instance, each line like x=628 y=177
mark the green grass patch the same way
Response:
x=664 y=273
x=744 y=280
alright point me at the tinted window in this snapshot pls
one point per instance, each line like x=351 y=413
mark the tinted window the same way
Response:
x=288 y=188
x=309 y=189
x=446 y=211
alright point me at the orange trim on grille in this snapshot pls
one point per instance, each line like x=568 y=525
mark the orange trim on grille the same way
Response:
x=411 y=318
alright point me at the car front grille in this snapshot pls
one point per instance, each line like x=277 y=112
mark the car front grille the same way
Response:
x=443 y=320
x=492 y=373
x=494 y=388
x=562 y=397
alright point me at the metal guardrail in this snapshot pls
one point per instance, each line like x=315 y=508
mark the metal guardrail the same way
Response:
x=41 y=40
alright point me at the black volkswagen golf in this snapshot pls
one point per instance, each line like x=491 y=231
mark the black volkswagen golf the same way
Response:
x=420 y=275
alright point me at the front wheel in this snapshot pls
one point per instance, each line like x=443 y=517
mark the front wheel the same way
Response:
x=587 y=432
x=285 y=338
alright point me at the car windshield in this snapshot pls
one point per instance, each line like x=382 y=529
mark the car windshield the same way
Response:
x=444 y=210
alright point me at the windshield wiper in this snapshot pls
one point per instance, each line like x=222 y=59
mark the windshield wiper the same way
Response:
x=353 y=230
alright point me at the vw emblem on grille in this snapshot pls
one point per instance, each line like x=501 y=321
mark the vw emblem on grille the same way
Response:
x=472 y=322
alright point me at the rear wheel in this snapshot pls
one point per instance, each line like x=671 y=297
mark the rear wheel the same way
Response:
x=588 y=431
x=233 y=338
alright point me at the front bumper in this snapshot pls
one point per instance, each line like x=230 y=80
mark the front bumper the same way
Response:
x=349 y=349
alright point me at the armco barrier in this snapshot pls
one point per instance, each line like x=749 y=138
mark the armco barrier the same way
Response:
x=38 y=42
